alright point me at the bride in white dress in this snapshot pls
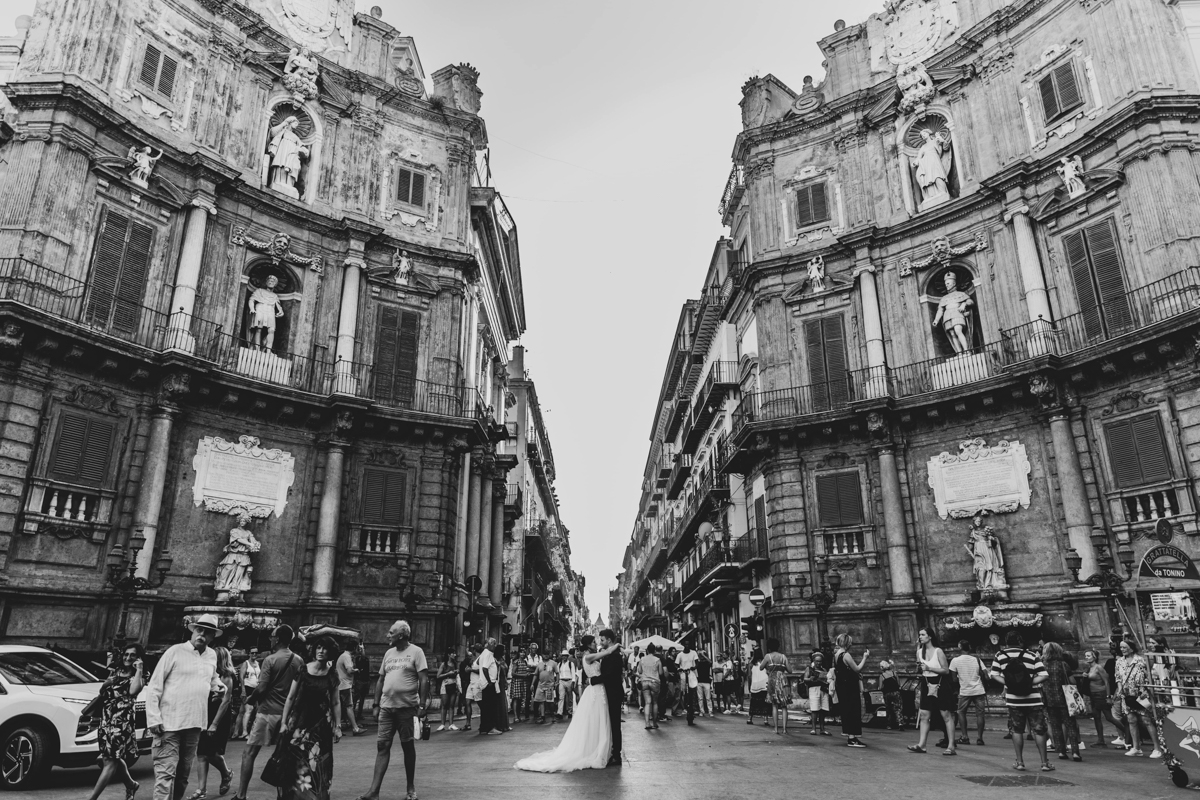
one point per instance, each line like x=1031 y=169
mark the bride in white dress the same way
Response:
x=588 y=740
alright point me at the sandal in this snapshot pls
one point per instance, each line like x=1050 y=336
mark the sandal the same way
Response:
x=129 y=793
x=225 y=784
x=1019 y=766
x=950 y=753
x=825 y=732
x=916 y=748
x=1047 y=768
x=199 y=794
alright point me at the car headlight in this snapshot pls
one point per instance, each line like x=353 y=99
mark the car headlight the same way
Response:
x=76 y=700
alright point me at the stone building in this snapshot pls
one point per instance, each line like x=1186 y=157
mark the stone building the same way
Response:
x=257 y=293
x=959 y=299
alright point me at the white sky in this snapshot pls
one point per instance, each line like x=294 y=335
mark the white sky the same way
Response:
x=611 y=128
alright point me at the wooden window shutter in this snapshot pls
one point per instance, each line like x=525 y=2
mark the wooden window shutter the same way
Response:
x=131 y=286
x=820 y=205
x=386 y=348
x=1067 y=87
x=417 y=197
x=1085 y=290
x=406 y=355
x=166 y=75
x=828 y=511
x=1137 y=451
x=1050 y=107
x=826 y=362
x=393 y=500
x=82 y=450
x=839 y=500
x=106 y=265
x=760 y=514
x=151 y=61
x=383 y=497
x=96 y=455
x=803 y=208
x=403 y=184
x=1110 y=279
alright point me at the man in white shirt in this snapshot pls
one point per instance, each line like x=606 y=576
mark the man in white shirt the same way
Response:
x=971 y=691
x=489 y=710
x=345 y=673
x=688 y=680
x=568 y=678
x=177 y=706
x=401 y=697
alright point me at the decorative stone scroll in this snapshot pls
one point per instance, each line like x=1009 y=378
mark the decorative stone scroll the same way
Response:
x=278 y=249
x=980 y=478
x=942 y=252
x=242 y=477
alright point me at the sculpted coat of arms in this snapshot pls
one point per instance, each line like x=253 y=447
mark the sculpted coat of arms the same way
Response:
x=913 y=29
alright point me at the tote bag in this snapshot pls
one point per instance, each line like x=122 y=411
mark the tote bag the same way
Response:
x=1076 y=703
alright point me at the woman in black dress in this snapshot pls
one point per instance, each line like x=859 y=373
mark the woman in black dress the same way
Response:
x=848 y=681
x=118 y=745
x=213 y=740
x=308 y=730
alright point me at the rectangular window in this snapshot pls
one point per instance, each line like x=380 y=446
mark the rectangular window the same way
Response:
x=81 y=450
x=811 y=205
x=839 y=500
x=383 y=497
x=1095 y=264
x=1137 y=451
x=760 y=527
x=826 y=363
x=410 y=187
x=396 y=349
x=158 y=70
x=120 y=265
x=1060 y=91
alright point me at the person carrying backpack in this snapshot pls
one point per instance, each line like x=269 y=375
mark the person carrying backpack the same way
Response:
x=1021 y=671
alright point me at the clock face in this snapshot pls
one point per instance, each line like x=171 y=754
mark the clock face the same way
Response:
x=914 y=30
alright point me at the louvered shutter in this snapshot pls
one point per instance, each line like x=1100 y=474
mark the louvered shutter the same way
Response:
x=839 y=500
x=1137 y=451
x=403 y=184
x=418 y=189
x=373 y=497
x=1110 y=280
x=406 y=356
x=803 y=208
x=820 y=206
x=106 y=266
x=828 y=510
x=850 y=498
x=131 y=285
x=393 y=499
x=817 y=376
x=386 y=347
x=151 y=60
x=166 y=76
x=760 y=525
x=1085 y=290
x=1067 y=87
x=97 y=453
x=1050 y=107
x=835 y=360
x=82 y=450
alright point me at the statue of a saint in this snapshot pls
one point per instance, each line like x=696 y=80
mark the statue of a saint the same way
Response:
x=143 y=162
x=300 y=74
x=816 y=274
x=954 y=315
x=1071 y=172
x=234 y=571
x=286 y=150
x=984 y=549
x=933 y=168
x=264 y=308
x=402 y=267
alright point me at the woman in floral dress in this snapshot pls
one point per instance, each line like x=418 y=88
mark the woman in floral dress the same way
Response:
x=779 y=691
x=118 y=744
x=308 y=730
x=1132 y=678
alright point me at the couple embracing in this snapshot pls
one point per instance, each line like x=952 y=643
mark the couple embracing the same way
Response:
x=593 y=739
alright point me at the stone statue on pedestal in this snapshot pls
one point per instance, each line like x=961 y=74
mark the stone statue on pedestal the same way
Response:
x=954 y=315
x=143 y=164
x=264 y=308
x=984 y=548
x=933 y=167
x=1071 y=172
x=286 y=150
x=816 y=274
x=234 y=571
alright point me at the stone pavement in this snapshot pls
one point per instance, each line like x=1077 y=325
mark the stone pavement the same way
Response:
x=718 y=759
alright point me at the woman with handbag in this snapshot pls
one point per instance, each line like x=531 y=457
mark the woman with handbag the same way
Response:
x=1098 y=688
x=848 y=682
x=118 y=744
x=1133 y=697
x=779 y=691
x=1063 y=727
x=309 y=728
x=213 y=739
x=934 y=669
x=818 y=693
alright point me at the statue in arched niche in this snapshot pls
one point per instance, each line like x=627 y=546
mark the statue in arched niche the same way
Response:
x=930 y=146
x=287 y=148
x=264 y=308
x=955 y=316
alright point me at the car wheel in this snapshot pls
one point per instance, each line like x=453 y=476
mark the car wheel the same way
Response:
x=24 y=757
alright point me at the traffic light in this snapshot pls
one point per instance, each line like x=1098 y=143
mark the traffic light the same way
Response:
x=469 y=624
x=752 y=627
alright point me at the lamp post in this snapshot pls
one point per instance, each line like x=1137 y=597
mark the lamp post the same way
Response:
x=1106 y=578
x=122 y=576
x=821 y=598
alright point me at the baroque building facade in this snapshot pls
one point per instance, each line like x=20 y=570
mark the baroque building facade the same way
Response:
x=958 y=305
x=258 y=293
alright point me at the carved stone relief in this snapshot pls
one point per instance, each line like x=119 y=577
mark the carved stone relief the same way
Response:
x=980 y=478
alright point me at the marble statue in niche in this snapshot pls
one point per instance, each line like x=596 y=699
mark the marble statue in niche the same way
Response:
x=234 y=571
x=984 y=548
x=1071 y=172
x=300 y=74
x=933 y=167
x=954 y=315
x=264 y=308
x=143 y=161
x=286 y=150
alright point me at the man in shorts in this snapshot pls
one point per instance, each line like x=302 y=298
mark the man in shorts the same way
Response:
x=345 y=673
x=274 y=682
x=1015 y=663
x=401 y=696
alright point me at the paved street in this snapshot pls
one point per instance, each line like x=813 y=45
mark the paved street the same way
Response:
x=719 y=759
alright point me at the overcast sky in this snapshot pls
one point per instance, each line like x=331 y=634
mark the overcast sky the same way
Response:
x=611 y=127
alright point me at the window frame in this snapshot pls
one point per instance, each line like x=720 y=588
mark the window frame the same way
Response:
x=841 y=522
x=138 y=69
x=426 y=182
x=807 y=190
x=1051 y=74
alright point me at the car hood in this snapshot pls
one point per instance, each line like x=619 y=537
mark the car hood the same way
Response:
x=78 y=691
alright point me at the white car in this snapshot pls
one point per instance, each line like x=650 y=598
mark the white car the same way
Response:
x=42 y=694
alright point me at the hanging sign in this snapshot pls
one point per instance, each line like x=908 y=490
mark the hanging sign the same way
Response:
x=1168 y=561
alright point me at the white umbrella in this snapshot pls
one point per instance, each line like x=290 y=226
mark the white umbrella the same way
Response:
x=660 y=642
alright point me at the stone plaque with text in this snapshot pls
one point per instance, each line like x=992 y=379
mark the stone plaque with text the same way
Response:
x=231 y=476
x=980 y=478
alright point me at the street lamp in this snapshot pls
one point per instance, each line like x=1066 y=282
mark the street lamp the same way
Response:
x=1106 y=579
x=123 y=577
x=821 y=598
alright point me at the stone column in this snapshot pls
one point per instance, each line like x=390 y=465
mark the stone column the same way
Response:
x=875 y=384
x=485 y=524
x=347 y=380
x=1076 y=508
x=150 y=490
x=496 y=574
x=460 y=529
x=899 y=560
x=325 y=560
x=1037 y=301
x=187 y=276
x=471 y=565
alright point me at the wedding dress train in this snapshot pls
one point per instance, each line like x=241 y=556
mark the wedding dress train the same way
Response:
x=588 y=740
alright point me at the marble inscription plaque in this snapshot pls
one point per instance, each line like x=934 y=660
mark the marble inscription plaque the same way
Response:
x=232 y=476
x=980 y=478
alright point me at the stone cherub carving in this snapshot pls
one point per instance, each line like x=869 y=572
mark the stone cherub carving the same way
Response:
x=916 y=88
x=300 y=74
x=264 y=308
x=1071 y=172
x=954 y=315
x=143 y=162
x=934 y=158
x=984 y=548
x=234 y=571
x=816 y=274
x=286 y=150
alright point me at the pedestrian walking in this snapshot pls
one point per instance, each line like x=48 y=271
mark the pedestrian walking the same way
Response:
x=1021 y=671
x=345 y=679
x=971 y=691
x=248 y=674
x=1063 y=728
x=213 y=739
x=718 y=684
x=1099 y=690
x=568 y=680
x=848 y=685
x=447 y=681
x=936 y=698
x=705 y=702
x=779 y=691
x=889 y=684
x=489 y=675
x=545 y=688
x=177 y=706
x=469 y=682
x=1133 y=697
x=688 y=681
x=502 y=695
x=401 y=697
x=475 y=686
x=362 y=681
x=117 y=740
x=279 y=670
x=519 y=678
x=816 y=681
x=759 y=684
x=649 y=675
x=311 y=724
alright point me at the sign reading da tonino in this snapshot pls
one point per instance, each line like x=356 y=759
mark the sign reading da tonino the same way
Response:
x=1168 y=561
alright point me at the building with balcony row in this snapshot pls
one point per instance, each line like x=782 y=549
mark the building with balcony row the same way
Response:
x=252 y=267
x=944 y=360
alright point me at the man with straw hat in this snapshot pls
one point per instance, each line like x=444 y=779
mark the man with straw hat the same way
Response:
x=177 y=705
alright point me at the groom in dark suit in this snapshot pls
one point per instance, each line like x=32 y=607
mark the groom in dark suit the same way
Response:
x=611 y=672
